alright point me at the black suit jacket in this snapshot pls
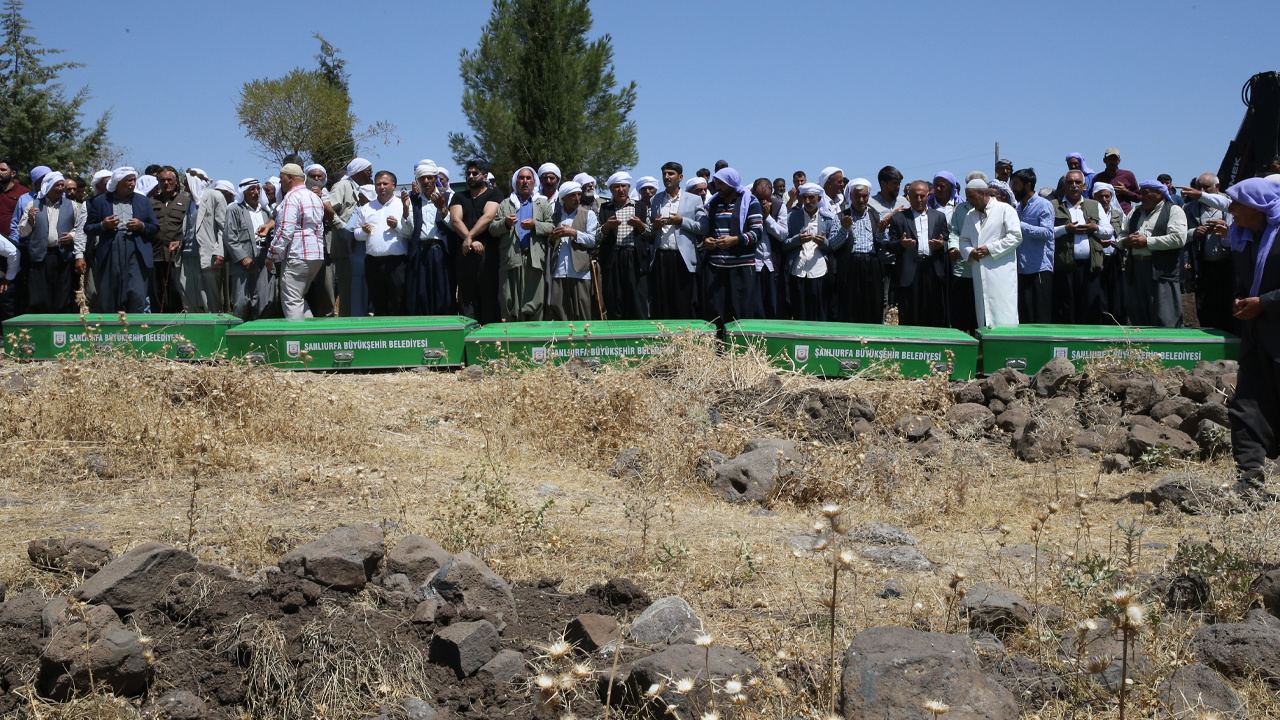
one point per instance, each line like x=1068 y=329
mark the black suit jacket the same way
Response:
x=903 y=225
x=101 y=207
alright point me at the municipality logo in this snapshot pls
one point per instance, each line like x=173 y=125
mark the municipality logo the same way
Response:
x=539 y=354
x=1059 y=352
x=802 y=353
x=59 y=338
x=293 y=348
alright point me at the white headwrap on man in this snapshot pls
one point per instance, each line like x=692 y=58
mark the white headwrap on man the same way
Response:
x=976 y=184
x=119 y=174
x=694 y=182
x=100 y=176
x=584 y=179
x=225 y=186
x=515 y=198
x=369 y=192
x=824 y=203
x=357 y=165
x=47 y=183
x=146 y=184
x=245 y=184
x=317 y=166
x=568 y=188
x=549 y=168
x=425 y=168
x=619 y=178
x=647 y=181
x=197 y=181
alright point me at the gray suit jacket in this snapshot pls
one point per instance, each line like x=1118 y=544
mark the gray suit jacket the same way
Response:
x=239 y=234
x=694 y=225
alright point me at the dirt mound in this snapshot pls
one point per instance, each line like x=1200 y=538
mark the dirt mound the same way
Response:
x=828 y=416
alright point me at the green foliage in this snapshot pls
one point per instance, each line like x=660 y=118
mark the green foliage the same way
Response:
x=1158 y=456
x=538 y=90
x=483 y=510
x=1093 y=571
x=307 y=112
x=1230 y=575
x=39 y=125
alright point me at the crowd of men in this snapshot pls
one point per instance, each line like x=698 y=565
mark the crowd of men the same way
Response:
x=1097 y=248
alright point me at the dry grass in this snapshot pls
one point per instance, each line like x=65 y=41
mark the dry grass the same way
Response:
x=280 y=458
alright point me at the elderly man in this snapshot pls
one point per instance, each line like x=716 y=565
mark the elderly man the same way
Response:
x=814 y=232
x=1112 y=257
x=522 y=226
x=918 y=237
x=382 y=227
x=573 y=234
x=963 y=314
x=625 y=249
x=859 y=272
x=201 y=261
x=122 y=223
x=697 y=185
x=1123 y=181
x=548 y=180
x=1079 y=227
x=1156 y=232
x=171 y=207
x=588 y=184
x=646 y=188
x=344 y=197
x=991 y=234
x=53 y=229
x=428 y=286
x=679 y=222
x=298 y=244
x=477 y=259
x=1254 y=411
x=250 y=286
x=1210 y=268
x=1004 y=170
x=322 y=295
x=1036 y=251
x=736 y=226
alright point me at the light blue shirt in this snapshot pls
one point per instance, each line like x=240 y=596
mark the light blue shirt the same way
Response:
x=864 y=235
x=24 y=201
x=586 y=238
x=1035 y=253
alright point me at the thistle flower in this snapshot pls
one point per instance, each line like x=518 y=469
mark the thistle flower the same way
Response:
x=831 y=510
x=712 y=715
x=1097 y=664
x=847 y=558
x=566 y=682
x=1054 y=507
x=818 y=526
x=739 y=699
x=733 y=687
x=558 y=649
x=1135 y=615
x=1035 y=526
x=937 y=707
x=1005 y=529
x=545 y=682
x=654 y=690
x=582 y=671
x=1121 y=596
x=703 y=641
x=754 y=681
x=684 y=686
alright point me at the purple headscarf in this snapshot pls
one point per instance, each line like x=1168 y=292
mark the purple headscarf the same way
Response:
x=955 y=188
x=1259 y=194
x=1004 y=189
x=1157 y=185
x=1084 y=166
x=730 y=177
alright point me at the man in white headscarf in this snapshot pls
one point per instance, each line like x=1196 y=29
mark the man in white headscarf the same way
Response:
x=344 y=198
x=1112 y=256
x=428 y=285
x=250 y=285
x=522 y=226
x=697 y=185
x=860 y=273
x=200 y=265
x=570 y=294
x=625 y=249
x=55 y=240
x=991 y=234
x=122 y=223
x=813 y=234
x=589 y=199
x=548 y=180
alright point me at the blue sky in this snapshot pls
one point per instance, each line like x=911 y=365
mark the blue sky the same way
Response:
x=770 y=86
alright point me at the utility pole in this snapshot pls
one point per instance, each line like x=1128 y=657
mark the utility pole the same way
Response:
x=997 y=152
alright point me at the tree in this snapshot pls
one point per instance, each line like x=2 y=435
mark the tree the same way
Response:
x=39 y=125
x=307 y=112
x=537 y=90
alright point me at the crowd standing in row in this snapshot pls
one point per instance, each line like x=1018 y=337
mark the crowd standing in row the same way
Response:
x=1099 y=248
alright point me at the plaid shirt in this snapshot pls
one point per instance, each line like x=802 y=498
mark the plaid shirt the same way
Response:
x=299 y=229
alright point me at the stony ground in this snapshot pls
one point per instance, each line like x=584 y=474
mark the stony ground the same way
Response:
x=224 y=542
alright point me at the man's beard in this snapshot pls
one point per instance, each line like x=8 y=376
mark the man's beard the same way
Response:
x=474 y=183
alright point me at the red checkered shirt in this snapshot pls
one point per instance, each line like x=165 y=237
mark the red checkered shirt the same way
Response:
x=299 y=229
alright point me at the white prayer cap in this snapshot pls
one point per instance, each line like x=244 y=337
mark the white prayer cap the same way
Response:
x=549 y=168
x=369 y=192
x=568 y=189
x=248 y=183
x=976 y=184
x=100 y=176
x=47 y=183
x=826 y=174
x=38 y=172
x=584 y=179
x=490 y=177
x=1100 y=186
x=810 y=189
x=146 y=184
x=318 y=166
x=443 y=171
x=425 y=168
x=647 y=181
x=225 y=186
x=119 y=174
x=619 y=178
x=976 y=174
x=694 y=182
x=358 y=165
x=860 y=182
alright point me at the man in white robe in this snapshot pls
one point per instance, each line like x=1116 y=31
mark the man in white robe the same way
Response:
x=992 y=231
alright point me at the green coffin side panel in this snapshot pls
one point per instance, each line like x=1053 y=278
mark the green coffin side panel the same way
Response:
x=1029 y=347
x=179 y=336
x=594 y=341
x=834 y=349
x=343 y=343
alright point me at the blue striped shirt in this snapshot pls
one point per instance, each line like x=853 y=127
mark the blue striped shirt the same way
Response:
x=725 y=217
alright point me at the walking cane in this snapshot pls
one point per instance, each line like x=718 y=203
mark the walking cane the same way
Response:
x=595 y=278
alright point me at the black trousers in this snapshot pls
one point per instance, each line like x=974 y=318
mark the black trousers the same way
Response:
x=771 y=293
x=860 y=290
x=1255 y=409
x=385 y=276
x=964 y=306
x=1112 y=283
x=671 y=287
x=732 y=293
x=1077 y=295
x=924 y=301
x=1215 y=283
x=51 y=285
x=1035 y=298
x=625 y=284
x=808 y=298
x=162 y=289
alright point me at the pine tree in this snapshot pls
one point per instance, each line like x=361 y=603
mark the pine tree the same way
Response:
x=333 y=70
x=537 y=90
x=39 y=125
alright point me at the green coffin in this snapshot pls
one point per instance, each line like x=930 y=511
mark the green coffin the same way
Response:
x=835 y=349
x=358 y=342
x=594 y=341
x=1029 y=347
x=179 y=336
